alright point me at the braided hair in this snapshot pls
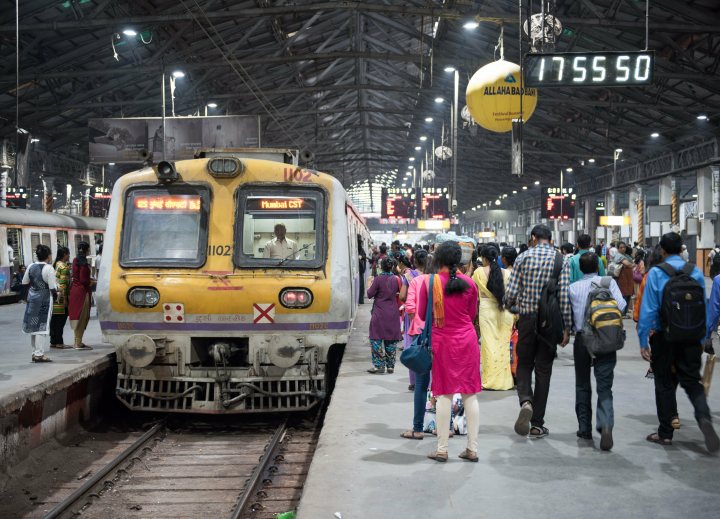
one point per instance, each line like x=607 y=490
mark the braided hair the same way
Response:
x=449 y=254
x=496 y=283
x=420 y=257
x=388 y=264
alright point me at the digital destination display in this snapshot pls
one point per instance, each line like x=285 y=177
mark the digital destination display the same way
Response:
x=280 y=204
x=402 y=203
x=589 y=69
x=558 y=205
x=184 y=203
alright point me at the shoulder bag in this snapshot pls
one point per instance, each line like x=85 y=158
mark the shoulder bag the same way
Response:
x=418 y=357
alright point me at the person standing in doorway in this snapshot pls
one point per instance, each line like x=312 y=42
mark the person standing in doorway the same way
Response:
x=362 y=260
x=280 y=247
x=60 y=307
x=80 y=294
x=38 y=312
x=532 y=271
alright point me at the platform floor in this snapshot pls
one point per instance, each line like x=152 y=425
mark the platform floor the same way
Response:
x=18 y=374
x=363 y=469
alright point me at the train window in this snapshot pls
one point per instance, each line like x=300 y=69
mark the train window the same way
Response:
x=62 y=238
x=265 y=213
x=15 y=241
x=45 y=239
x=34 y=242
x=165 y=226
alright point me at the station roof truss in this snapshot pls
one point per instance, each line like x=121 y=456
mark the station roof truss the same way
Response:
x=353 y=82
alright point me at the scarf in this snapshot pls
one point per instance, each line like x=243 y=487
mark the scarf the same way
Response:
x=438 y=307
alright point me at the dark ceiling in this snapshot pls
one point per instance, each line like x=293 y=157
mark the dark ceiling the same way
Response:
x=354 y=81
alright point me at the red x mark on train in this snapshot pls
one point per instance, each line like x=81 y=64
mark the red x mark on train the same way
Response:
x=263 y=313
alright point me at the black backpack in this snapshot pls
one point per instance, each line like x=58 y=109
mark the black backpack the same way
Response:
x=716 y=260
x=549 y=318
x=682 y=309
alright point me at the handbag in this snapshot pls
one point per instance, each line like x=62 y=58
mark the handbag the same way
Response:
x=637 y=275
x=418 y=357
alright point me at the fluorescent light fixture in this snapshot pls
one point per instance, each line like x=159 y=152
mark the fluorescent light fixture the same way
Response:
x=178 y=74
x=439 y=100
x=537 y=182
x=449 y=68
x=524 y=188
x=695 y=195
x=514 y=192
x=130 y=32
x=34 y=140
x=654 y=135
x=702 y=117
x=591 y=161
x=423 y=138
x=418 y=148
x=569 y=170
x=428 y=119
x=111 y=163
x=412 y=159
x=212 y=105
x=497 y=202
x=471 y=26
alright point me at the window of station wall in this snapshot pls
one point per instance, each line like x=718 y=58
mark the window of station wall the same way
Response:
x=280 y=227
x=165 y=227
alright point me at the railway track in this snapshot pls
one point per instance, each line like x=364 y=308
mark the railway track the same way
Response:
x=234 y=472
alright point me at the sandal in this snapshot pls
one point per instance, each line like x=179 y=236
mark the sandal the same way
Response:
x=82 y=347
x=376 y=371
x=391 y=371
x=40 y=358
x=675 y=422
x=412 y=435
x=442 y=457
x=538 y=432
x=655 y=438
x=452 y=433
x=469 y=455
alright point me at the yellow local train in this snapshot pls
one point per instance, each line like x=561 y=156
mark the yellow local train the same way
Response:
x=205 y=315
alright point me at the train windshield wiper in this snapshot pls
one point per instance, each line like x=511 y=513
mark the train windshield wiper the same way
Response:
x=304 y=247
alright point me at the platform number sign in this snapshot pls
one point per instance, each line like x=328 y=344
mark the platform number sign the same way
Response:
x=575 y=69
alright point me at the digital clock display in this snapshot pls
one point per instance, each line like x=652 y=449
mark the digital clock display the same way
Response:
x=589 y=69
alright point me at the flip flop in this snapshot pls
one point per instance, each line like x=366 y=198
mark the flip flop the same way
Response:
x=41 y=359
x=60 y=346
x=412 y=435
x=82 y=347
x=655 y=438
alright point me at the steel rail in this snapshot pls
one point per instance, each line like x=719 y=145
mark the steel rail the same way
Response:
x=63 y=506
x=252 y=483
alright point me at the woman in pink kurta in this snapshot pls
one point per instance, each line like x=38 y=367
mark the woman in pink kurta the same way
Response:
x=456 y=355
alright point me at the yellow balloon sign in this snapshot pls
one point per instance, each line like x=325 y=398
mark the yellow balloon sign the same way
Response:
x=493 y=96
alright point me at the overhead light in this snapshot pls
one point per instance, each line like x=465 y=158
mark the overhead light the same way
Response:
x=34 y=140
x=514 y=192
x=212 y=105
x=439 y=100
x=111 y=163
x=423 y=138
x=654 y=135
x=695 y=195
x=618 y=150
x=569 y=170
x=591 y=161
x=702 y=117
x=524 y=188
x=449 y=68
x=418 y=148
x=497 y=202
x=428 y=119
x=537 y=182
x=412 y=159
x=178 y=74
x=404 y=185
x=130 y=32
x=470 y=26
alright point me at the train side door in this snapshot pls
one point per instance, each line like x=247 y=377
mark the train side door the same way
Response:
x=15 y=239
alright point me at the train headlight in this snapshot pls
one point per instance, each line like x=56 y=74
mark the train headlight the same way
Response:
x=226 y=167
x=296 y=297
x=143 y=297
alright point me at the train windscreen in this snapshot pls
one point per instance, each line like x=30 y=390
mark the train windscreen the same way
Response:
x=280 y=227
x=165 y=227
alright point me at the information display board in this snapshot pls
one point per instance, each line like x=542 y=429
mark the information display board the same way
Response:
x=403 y=203
x=589 y=69
x=557 y=204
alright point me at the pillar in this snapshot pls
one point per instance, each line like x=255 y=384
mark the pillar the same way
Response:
x=48 y=193
x=674 y=206
x=706 y=237
x=632 y=210
x=3 y=187
x=639 y=223
x=715 y=170
x=86 y=202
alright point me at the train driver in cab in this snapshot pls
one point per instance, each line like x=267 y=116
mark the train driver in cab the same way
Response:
x=280 y=247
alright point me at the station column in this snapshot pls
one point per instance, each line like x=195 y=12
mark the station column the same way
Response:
x=706 y=196
x=48 y=193
x=639 y=223
x=86 y=201
x=674 y=209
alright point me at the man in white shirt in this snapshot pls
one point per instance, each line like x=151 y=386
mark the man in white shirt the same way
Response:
x=280 y=247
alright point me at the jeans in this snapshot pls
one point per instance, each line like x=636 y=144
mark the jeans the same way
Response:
x=687 y=362
x=422 y=381
x=533 y=355
x=604 y=366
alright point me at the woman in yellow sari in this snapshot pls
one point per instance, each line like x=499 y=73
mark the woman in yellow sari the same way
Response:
x=495 y=322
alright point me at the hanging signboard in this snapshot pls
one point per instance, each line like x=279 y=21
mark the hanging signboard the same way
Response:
x=600 y=69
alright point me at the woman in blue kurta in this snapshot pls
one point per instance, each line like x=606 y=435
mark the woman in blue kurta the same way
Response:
x=385 y=320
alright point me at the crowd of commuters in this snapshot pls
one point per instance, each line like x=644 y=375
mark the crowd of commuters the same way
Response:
x=543 y=295
x=55 y=291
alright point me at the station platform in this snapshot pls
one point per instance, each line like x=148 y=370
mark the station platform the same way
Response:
x=42 y=400
x=363 y=469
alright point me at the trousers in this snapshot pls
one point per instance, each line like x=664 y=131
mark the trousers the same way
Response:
x=383 y=353
x=80 y=325
x=422 y=382
x=57 y=323
x=604 y=369
x=687 y=360
x=443 y=409
x=533 y=356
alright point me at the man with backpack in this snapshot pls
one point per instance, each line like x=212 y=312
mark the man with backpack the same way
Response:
x=597 y=305
x=538 y=291
x=671 y=329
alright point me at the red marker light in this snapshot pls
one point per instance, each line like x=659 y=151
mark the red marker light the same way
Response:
x=178 y=308
x=167 y=307
x=168 y=318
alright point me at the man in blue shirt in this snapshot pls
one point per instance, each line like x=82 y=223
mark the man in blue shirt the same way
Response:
x=583 y=244
x=604 y=365
x=663 y=354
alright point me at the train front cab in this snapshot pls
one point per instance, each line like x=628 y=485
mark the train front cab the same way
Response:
x=225 y=329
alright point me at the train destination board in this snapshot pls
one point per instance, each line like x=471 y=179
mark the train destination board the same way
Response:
x=589 y=69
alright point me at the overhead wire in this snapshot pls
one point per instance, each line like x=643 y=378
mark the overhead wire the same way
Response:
x=240 y=71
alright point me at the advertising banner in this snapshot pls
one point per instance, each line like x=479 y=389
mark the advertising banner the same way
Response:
x=132 y=140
